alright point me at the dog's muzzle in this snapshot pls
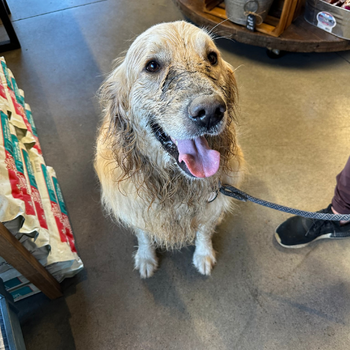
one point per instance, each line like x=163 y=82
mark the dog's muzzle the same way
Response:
x=193 y=154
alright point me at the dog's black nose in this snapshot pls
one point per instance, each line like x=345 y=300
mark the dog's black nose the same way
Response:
x=207 y=110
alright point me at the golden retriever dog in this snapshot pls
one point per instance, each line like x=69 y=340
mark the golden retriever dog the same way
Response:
x=167 y=141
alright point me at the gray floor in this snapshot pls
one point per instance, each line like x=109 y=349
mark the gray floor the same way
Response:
x=294 y=123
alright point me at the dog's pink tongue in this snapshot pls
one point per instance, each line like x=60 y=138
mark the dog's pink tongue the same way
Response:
x=200 y=160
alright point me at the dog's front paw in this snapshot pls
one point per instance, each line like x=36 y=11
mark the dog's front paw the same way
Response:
x=204 y=260
x=146 y=262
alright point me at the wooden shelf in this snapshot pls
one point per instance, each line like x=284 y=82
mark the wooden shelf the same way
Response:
x=25 y=263
x=300 y=36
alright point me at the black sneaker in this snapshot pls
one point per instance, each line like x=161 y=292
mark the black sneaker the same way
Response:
x=298 y=232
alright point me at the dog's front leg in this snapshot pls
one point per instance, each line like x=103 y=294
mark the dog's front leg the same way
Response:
x=145 y=258
x=204 y=254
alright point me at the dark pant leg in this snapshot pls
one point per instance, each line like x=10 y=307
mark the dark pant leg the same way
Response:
x=341 y=199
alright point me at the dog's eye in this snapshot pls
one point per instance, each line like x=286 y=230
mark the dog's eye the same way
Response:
x=153 y=67
x=213 y=58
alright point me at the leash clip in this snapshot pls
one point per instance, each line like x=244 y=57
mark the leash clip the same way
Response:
x=233 y=192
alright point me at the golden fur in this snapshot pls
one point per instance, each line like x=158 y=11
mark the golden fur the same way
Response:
x=142 y=186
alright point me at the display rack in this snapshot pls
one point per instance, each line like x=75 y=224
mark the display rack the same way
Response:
x=13 y=42
x=300 y=36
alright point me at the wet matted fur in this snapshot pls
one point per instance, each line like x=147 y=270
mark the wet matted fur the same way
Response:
x=143 y=185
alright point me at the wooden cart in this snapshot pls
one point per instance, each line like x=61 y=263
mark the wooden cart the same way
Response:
x=300 y=36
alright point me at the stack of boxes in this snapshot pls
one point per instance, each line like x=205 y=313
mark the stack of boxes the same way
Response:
x=31 y=202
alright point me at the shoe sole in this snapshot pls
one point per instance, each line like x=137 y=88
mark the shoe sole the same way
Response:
x=297 y=246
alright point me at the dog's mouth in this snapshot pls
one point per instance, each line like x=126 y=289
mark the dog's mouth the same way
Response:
x=193 y=156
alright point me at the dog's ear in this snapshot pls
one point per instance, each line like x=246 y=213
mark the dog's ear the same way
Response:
x=231 y=86
x=226 y=143
x=114 y=98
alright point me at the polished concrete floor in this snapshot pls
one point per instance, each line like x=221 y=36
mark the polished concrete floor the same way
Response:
x=294 y=130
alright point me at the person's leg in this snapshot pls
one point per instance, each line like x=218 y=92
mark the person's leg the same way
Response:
x=297 y=232
x=341 y=199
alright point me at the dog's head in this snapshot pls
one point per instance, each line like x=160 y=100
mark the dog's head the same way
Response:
x=173 y=90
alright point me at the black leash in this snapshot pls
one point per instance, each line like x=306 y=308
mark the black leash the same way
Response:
x=234 y=192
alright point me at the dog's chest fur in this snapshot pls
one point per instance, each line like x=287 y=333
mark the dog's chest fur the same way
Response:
x=175 y=222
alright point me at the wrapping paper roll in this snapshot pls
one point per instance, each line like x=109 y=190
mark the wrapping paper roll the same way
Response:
x=60 y=256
